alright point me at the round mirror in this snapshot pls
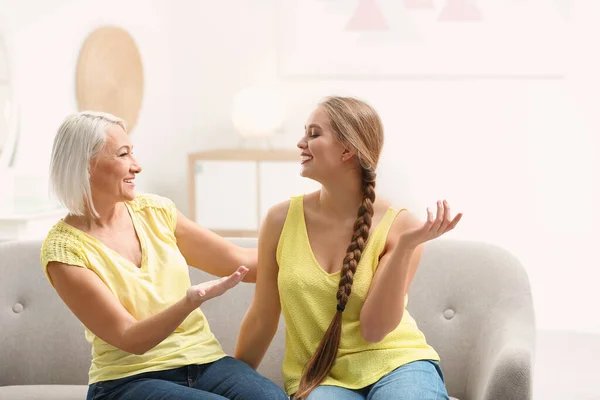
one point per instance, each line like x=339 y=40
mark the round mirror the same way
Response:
x=7 y=112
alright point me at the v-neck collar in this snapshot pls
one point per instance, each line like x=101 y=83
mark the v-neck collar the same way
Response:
x=98 y=242
x=310 y=249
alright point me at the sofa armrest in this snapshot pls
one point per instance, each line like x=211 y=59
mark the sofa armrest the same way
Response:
x=501 y=363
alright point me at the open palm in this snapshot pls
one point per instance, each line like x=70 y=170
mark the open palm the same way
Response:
x=433 y=227
x=208 y=290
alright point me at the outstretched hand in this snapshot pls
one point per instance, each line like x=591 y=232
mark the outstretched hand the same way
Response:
x=208 y=290
x=432 y=228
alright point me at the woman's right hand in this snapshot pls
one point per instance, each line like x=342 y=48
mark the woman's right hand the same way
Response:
x=198 y=294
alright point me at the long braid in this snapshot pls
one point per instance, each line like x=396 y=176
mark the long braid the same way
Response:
x=320 y=364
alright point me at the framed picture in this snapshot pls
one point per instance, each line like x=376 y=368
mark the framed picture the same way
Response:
x=422 y=38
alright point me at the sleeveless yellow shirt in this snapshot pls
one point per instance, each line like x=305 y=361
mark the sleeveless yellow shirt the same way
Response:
x=162 y=280
x=308 y=301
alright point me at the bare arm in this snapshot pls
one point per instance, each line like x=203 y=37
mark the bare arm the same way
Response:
x=101 y=312
x=260 y=323
x=212 y=253
x=384 y=307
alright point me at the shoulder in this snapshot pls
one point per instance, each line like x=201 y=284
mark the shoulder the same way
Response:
x=276 y=216
x=146 y=200
x=272 y=227
x=158 y=208
x=61 y=235
x=62 y=244
x=282 y=214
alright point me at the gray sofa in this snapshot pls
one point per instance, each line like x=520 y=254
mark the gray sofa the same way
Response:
x=472 y=300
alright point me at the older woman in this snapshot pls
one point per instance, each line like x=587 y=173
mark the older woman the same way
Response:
x=120 y=263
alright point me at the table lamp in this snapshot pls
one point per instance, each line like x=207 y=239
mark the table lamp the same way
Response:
x=258 y=112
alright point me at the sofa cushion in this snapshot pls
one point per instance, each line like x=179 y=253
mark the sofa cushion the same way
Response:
x=44 y=392
x=50 y=392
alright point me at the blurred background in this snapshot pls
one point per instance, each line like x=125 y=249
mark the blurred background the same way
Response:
x=491 y=104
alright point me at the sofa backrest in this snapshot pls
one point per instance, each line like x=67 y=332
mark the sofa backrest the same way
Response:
x=41 y=341
x=225 y=316
x=457 y=286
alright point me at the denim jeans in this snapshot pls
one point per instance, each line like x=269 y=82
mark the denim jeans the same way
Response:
x=226 y=378
x=419 y=380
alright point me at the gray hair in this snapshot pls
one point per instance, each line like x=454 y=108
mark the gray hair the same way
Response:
x=79 y=139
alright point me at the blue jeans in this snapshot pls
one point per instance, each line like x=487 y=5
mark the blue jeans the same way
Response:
x=419 y=380
x=226 y=378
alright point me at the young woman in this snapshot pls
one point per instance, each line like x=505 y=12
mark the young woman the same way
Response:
x=342 y=280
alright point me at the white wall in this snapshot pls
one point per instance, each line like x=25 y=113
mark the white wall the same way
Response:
x=217 y=49
x=43 y=39
x=520 y=157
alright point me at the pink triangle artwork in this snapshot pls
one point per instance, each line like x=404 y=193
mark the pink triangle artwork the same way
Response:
x=460 y=10
x=418 y=4
x=367 y=17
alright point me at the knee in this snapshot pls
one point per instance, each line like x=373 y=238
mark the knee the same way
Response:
x=258 y=386
x=269 y=390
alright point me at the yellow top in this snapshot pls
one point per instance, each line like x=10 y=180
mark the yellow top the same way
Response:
x=308 y=301
x=162 y=280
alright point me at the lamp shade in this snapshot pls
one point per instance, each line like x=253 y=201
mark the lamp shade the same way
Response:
x=258 y=111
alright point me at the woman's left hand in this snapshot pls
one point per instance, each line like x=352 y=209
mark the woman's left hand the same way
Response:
x=432 y=228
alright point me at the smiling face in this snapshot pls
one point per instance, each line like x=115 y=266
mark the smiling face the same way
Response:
x=322 y=154
x=113 y=171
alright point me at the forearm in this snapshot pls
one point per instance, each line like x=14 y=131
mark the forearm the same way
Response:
x=212 y=253
x=254 y=339
x=141 y=336
x=384 y=307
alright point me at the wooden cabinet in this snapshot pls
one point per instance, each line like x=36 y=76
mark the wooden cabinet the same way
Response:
x=230 y=191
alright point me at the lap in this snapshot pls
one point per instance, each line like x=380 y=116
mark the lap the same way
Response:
x=149 y=389
x=421 y=380
x=236 y=380
x=325 y=392
x=226 y=378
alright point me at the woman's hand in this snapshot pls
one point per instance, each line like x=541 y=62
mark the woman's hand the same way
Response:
x=198 y=294
x=432 y=228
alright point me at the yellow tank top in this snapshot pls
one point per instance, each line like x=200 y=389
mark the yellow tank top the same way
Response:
x=308 y=301
x=161 y=281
